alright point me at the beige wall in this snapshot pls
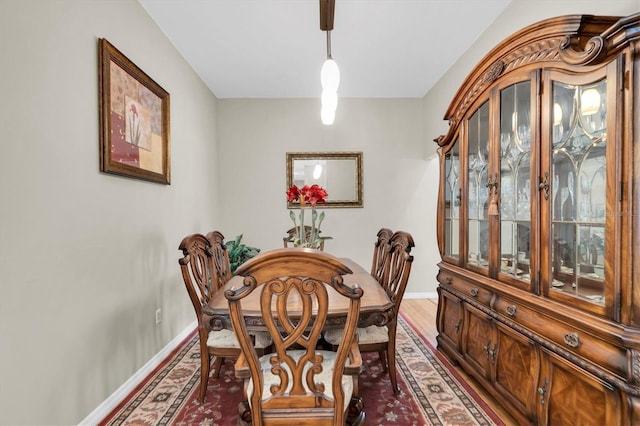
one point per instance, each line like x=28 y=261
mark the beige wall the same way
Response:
x=254 y=136
x=85 y=257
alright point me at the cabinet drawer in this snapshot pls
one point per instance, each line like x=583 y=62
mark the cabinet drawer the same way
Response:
x=467 y=288
x=588 y=347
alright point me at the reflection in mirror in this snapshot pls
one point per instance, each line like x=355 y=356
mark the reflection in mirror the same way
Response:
x=340 y=173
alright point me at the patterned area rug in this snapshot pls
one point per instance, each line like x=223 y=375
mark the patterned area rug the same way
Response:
x=431 y=391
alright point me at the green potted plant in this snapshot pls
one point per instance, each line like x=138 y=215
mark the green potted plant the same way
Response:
x=239 y=253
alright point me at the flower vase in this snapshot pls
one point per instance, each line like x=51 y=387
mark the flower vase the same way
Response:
x=308 y=236
x=308 y=197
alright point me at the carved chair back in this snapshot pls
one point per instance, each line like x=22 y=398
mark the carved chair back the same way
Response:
x=222 y=266
x=198 y=270
x=381 y=252
x=398 y=267
x=290 y=382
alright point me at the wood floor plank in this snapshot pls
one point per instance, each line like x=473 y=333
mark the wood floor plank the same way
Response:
x=422 y=314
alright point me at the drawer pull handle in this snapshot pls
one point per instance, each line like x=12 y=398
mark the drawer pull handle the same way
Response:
x=447 y=281
x=511 y=310
x=491 y=353
x=474 y=292
x=487 y=349
x=572 y=340
x=543 y=391
x=457 y=326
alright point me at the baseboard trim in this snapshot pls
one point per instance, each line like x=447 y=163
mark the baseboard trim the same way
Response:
x=127 y=387
x=425 y=295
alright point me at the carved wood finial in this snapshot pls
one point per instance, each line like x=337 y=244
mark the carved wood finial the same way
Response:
x=592 y=51
x=439 y=140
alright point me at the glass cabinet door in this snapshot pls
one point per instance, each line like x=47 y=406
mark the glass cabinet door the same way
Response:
x=452 y=202
x=578 y=179
x=478 y=192
x=515 y=180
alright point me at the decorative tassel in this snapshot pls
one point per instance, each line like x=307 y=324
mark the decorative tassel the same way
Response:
x=493 y=205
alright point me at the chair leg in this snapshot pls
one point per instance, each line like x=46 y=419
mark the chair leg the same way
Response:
x=391 y=360
x=244 y=414
x=383 y=360
x=205 y=362
x=355 y=412
x=217 y=366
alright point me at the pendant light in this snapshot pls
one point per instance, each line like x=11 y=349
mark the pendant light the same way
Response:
x=330 y=73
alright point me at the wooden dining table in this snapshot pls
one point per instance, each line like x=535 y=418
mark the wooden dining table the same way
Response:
x=375 y=309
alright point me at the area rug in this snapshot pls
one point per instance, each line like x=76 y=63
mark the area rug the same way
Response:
x=432 y=393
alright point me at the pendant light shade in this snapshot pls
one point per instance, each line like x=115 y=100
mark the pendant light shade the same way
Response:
x=317 y=171
x=330 y=75
x=329 y=99
x=327 y=115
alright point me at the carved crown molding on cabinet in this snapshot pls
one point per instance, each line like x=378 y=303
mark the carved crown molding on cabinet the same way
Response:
x=598 y=39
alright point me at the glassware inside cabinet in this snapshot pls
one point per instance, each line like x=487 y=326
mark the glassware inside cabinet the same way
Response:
x=515 y=180
x=478 y=192
x=579 y=190
x=452 y=202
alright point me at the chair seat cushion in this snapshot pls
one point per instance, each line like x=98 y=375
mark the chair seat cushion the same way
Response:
x=227 y=339
x=326 y=376
x=371 y=334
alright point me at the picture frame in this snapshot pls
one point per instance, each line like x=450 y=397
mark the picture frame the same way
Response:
x=134 y=119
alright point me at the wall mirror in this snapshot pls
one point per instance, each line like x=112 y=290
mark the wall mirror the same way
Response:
x=340 y=173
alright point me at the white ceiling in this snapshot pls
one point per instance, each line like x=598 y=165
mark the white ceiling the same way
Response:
x=275 y=48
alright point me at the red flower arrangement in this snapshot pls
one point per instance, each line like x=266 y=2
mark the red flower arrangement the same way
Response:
x=308 y=195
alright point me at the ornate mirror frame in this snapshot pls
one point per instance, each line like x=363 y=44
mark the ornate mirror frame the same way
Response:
x=347 y=166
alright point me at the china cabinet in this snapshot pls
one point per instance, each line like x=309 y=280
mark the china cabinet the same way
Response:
x=538 y=222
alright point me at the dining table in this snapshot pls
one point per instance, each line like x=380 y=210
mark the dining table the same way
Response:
x=376 y=308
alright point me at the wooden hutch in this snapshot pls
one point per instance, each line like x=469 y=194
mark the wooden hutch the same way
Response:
x=538 y=222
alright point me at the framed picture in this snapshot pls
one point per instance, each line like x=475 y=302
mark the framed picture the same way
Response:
x=340 y=173
x=134 y=119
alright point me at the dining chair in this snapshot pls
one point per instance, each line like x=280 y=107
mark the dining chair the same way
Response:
x=382 y=339
x=297 y=383
x=293 y=232
x=381 y=250
x=222 y=266
x=202 y=278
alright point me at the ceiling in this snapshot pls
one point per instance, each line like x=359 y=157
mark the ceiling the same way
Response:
x=275 y=48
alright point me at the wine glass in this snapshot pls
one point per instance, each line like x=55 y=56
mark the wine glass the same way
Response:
x=473 y=202
x=585 y=190
x=558 y=131
x=483 y=196
x=564 y=196
x=524 y=134
x=571 y=189
x=505 y=141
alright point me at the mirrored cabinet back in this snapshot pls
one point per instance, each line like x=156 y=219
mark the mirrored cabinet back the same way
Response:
x=538 y=224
